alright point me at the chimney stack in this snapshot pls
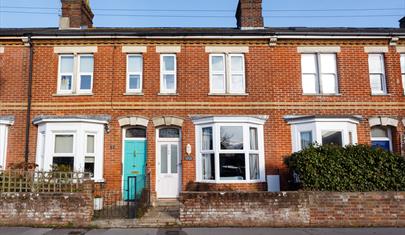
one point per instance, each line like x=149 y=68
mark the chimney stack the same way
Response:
x=402 y=23
x=76 y=14
x=249 y=14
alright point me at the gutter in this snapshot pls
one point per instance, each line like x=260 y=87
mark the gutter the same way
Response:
x=28 y=43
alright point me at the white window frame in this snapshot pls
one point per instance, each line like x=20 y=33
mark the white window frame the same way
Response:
x=319 y=125
x=47 y=130
x=60 y=74
x=3 y=145
x=389 y=138
x=382 y=74
x=76 y=75
x=79 y=77
x=403 y=71
x=227 y=73
x=128 y=89
x=163 y=72
x=216 y=123
x=87 y=154
x=318 y=74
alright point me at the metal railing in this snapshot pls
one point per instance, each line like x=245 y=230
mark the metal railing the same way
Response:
x=14 y=181
x=117 y=199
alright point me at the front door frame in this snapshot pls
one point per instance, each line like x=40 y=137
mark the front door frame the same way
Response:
x=124 y=138
x=157 y=155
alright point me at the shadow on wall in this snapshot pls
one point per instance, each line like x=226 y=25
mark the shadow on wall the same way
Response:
x=174 y=231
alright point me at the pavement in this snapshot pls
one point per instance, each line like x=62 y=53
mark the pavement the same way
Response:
x=204 y=231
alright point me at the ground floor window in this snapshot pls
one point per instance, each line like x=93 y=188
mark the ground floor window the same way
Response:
x=230 y=149
x=381 y=137
x=71 y=146
x=3 y=144
x=307 y=130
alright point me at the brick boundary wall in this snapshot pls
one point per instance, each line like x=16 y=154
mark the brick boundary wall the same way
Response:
x=293 y=209
x=47 y=209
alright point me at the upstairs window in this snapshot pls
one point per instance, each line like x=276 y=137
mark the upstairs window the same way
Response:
x=403 y=71
x=377 y=74
x=75 y=74
x=134 y=73
x=319 y=73
x=227 y=74
x=168 y=74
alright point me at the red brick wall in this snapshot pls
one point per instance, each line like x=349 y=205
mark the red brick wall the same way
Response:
x=293 y=209
x=273 y=79
x=47 y=209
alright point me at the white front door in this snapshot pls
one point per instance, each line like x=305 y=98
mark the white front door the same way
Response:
x=168 y=169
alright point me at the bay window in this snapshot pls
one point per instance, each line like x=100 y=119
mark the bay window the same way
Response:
x=71 y=144
x=5 y=122
x=75 y=74
x=230 y=150
x=307 y=130
x=227 y=73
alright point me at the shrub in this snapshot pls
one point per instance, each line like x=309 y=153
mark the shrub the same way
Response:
x=350 y=168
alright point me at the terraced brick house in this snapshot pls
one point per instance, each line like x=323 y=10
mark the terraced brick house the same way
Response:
x=194 y=108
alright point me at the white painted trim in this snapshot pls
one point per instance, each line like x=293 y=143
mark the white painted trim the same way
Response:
x=334 y=49
x=258 y=120
x=74 y=120
x=75 y=50
x=1 y=50
x=227 y=49
x=375 y=49
x=389 y=138
x=3 y=145
x=134 y=49
x=6 y=122
x=309 y=120
x=168 y=49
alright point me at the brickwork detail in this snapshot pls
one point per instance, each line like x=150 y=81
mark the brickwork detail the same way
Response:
x=296 y=209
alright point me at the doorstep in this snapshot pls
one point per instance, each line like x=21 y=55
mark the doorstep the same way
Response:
x=165 y=214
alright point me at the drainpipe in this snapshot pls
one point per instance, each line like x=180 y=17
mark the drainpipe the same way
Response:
x=27 y=42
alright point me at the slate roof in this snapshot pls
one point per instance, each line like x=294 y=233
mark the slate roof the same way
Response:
x=102 y=31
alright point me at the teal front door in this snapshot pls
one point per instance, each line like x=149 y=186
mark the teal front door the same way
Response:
x=134 y=172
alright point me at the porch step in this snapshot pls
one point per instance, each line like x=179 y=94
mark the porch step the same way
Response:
x=165 y=213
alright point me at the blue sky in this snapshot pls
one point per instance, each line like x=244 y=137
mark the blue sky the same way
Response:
x=373 y=9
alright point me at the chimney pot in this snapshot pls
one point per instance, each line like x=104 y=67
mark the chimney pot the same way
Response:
x=249 y=14
x=402 y=23
x=76 y=14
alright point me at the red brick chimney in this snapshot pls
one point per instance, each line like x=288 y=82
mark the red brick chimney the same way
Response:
x=249 y=14
x=76 y=14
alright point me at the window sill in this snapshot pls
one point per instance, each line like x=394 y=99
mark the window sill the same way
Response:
x=133 y=93
x=232 y=182
x=377 y=94
x=168 y=94
x=338 y=94
x=74 y=94
x=98 y=180
x=228 y=94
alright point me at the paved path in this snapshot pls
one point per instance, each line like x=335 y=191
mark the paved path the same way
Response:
x=205 y=231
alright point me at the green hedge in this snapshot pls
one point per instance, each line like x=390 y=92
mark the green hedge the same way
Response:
x=351 y=168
